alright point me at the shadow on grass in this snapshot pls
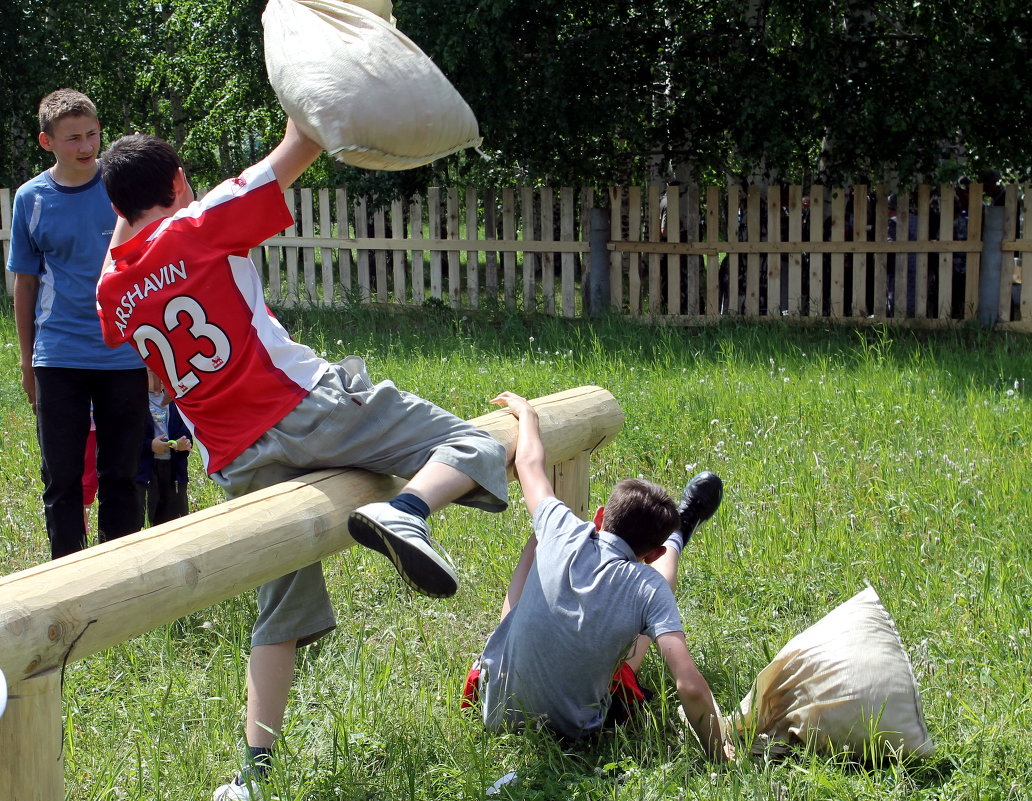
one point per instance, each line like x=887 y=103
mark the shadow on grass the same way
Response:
x=962 y=356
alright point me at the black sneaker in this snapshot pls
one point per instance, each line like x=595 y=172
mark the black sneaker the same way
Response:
x=699 y=502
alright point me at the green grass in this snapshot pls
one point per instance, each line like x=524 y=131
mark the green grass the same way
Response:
x=901 y=458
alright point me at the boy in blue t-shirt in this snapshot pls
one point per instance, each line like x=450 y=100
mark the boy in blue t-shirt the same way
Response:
x=61 y=226
x=582 y=608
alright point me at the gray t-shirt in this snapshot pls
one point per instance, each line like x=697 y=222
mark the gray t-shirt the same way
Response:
x=585 y=601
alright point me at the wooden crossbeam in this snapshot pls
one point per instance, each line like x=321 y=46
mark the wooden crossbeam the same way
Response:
x=69 y=608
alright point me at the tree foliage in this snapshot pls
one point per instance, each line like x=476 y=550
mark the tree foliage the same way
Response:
x=570 y=91
x=190 y=71
x=789 y=89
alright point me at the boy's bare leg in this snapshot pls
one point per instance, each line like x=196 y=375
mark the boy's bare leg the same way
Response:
x=270 y=673
x=667 y=567
x=699 y=502
x=519 y=576
x=438 y=484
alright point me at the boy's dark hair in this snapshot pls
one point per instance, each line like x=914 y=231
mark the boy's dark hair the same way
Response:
x=641 y=513
x=138 y=173
x=63 y=103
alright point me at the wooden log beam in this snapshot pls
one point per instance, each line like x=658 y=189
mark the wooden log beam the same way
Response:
x=75 y=606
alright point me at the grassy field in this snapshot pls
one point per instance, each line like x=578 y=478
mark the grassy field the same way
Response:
x=893 y=457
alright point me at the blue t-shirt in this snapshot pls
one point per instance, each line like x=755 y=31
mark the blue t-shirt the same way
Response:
x=61 y=234
x=586 y=600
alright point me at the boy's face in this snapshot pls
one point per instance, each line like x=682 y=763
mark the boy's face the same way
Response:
x=75 y=143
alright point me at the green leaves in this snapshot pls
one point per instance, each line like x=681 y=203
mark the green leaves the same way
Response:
x=573 y=92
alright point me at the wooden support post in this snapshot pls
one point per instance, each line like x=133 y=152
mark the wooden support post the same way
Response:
x=31 y=734
x=571 y=481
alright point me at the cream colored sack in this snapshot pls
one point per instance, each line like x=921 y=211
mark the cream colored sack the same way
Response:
x=845 y=682
x=361 y=88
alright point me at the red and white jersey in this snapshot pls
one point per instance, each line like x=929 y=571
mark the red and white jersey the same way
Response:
x=185 y=293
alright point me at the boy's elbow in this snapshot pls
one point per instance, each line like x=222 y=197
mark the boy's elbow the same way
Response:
x=529 y=468
x=111 y=339
x=695 y=697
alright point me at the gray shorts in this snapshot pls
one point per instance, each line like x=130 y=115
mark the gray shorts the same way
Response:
x=346 y=421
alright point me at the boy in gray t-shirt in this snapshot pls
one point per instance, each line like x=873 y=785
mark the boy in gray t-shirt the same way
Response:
x=588 y=606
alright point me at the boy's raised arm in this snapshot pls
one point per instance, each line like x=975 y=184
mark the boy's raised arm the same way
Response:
x=530 y=452
x=293 y=155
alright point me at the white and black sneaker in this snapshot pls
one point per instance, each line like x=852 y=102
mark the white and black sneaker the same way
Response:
x=405 y=540
x=239 y=789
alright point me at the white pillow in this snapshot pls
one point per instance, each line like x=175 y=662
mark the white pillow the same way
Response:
x=845 y=682
x=359 y=87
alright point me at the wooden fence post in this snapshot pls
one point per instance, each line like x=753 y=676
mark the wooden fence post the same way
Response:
x=990 y=275
x=598 y=260
x=31 y=745
x=6 y=213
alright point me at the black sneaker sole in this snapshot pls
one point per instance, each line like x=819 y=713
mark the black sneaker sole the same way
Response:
x=416 y=569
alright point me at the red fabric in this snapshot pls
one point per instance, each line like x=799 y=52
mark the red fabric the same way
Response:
x=626 y=692
x=471 y=690
x=623 y=687
x=89 y=472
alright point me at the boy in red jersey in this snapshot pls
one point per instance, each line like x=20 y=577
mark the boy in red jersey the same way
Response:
x=263 y=409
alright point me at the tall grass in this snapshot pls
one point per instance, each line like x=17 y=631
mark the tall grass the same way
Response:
x=900 y=458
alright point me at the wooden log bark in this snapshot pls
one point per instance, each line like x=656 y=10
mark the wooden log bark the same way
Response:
x=75 y=606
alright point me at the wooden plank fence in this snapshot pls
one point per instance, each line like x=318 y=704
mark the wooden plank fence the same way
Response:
x=675 y=254
x=759 y=252
x=466 y=250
